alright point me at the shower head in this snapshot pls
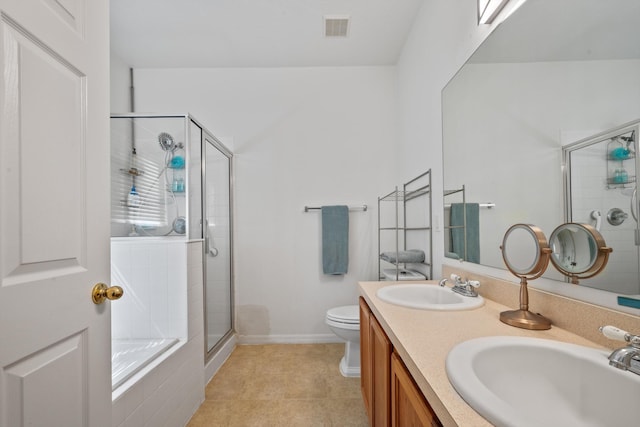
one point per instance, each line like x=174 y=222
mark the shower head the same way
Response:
x=179 y=225
x=166 y=142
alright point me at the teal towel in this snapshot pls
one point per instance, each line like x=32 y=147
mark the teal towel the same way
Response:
x=452 y=255
x=472 y=231
x=335 y=239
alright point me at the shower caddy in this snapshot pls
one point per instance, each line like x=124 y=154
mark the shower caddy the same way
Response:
x=400 y=198
x=619 y=149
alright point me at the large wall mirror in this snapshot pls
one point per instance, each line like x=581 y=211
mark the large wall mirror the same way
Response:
x=552 y=74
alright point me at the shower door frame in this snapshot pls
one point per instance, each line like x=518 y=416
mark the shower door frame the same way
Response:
x=208 y=138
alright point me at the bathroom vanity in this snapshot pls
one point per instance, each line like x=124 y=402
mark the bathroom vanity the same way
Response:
x=390 y=395
x=404 y=352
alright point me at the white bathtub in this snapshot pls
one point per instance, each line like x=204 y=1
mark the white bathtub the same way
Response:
x=128 y=356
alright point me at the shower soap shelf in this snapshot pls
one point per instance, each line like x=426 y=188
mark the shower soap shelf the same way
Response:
x=132 y=171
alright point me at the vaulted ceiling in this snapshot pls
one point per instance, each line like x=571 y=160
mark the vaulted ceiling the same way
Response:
x=258 y=33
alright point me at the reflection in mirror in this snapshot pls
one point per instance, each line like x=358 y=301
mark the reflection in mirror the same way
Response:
x=601 y=181
x=463 y=240
x=526 y=253
x=528 y=90
x=578 y=251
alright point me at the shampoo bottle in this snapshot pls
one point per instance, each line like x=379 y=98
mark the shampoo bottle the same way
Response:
x=133 y=198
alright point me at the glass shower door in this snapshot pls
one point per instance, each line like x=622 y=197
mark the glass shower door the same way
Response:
x=218 y=276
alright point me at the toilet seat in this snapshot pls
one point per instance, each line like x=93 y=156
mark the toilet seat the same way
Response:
x=348 y=314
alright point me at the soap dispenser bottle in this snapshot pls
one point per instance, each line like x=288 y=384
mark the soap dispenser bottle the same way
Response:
x=133 y=198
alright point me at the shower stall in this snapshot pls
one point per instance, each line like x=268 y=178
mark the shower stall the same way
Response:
x=217 y=265
x=170 y=203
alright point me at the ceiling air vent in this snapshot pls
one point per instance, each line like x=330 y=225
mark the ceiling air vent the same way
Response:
x=336 y=26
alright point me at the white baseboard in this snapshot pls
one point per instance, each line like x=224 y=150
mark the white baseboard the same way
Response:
x=289 y=339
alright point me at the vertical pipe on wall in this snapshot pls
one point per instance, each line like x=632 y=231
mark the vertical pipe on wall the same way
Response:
x=132 y=105
x=133 y=130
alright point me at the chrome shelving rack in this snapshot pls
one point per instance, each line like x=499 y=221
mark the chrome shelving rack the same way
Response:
x=422 y=184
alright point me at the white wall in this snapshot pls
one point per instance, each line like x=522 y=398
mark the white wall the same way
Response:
x=303 y=136
x=444 y=35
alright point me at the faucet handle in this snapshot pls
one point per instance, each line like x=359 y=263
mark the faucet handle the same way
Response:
x=618 y=334
x=473 y=283
x=614 y=333
x=455 y=278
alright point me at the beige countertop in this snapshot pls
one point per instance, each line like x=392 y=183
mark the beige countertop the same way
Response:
x=423 y=339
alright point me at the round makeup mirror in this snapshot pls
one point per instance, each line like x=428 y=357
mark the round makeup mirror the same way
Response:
x=578 y=251
x=524 y=250
x=526 y=254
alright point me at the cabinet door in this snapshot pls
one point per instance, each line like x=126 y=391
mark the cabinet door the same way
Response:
x=381 y=374
x=365 y=358
x=409 y=408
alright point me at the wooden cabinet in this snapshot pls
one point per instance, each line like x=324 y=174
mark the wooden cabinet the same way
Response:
x=380 y=374
x=409 y=408
x=365 y=358
x=390 y=395
x=375 y=368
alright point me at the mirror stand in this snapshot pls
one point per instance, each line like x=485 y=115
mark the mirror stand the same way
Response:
x=523 y=318
x=526 y=253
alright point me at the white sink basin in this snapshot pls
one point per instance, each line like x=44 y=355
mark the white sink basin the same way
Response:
x=427 y=297
x=516 y=381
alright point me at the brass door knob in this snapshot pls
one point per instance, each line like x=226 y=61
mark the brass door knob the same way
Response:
x=102 y=292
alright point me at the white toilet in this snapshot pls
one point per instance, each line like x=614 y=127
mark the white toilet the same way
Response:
x=345 y=322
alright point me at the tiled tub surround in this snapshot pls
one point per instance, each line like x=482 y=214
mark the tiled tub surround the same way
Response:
x=168 y=392
x=424 y=338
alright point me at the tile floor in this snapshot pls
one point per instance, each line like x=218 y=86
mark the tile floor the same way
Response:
x=282 y=385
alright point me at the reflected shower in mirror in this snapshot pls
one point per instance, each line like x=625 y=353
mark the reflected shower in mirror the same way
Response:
x=529 y=90
x=601 y=177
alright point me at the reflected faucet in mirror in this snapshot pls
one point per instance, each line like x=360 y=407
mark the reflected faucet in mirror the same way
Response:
x=597 y=216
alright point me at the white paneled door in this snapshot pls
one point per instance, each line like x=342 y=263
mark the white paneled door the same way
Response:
x=55 y=361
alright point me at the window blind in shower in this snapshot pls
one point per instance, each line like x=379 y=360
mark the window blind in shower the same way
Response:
x=149 y=178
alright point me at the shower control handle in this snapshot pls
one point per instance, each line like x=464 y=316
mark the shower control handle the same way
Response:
x=102 y=292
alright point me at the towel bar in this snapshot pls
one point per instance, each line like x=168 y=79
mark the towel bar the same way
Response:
x=351 y=208
x=482 y=205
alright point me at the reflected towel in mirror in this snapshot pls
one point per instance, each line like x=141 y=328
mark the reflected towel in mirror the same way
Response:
x=472 y=231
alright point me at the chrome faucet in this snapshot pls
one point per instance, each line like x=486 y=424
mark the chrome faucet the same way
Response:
x=625 y=358
x=461 y=287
